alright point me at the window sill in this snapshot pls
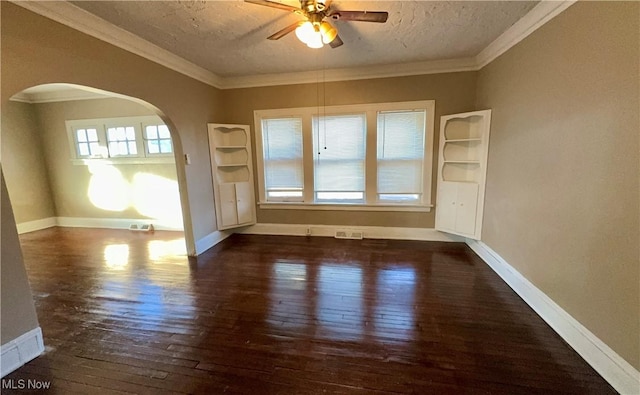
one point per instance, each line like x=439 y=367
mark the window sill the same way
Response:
x=125 y=161
x=344 y=207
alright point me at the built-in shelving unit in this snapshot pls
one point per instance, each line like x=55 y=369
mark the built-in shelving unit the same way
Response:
x=462 y=168
x=230 y=149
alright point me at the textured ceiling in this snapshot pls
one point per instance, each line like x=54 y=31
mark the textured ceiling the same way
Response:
x=228 y=38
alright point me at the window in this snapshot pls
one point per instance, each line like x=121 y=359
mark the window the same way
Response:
x=339 y=158
x=88 y=144
x=282 y=153
x=400 y=155
x=120 y=139
x=157 y=140
x=374 y=157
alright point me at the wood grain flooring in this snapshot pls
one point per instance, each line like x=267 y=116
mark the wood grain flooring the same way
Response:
x=126 y=312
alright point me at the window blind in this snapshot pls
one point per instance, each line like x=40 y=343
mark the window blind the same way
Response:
x=283 y=167
x=339 y=157
x=400 y=154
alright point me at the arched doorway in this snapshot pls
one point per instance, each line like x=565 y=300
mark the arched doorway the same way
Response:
x=80 y=156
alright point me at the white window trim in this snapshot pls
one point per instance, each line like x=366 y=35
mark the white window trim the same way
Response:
x=124 y=122
x=72 y=126
x=101 y=125
x=345 y=206
x=260 y=156
x=124 y=160
x=371 y=199
x=144 y=140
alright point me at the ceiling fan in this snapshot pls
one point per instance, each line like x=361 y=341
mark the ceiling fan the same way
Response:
x=314 y=30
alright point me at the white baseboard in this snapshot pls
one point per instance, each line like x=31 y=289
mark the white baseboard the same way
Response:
x=21 y=350
x=112 y=223
x=611 y=366
x=211 y=240
x=369 y=232
x=39 y=224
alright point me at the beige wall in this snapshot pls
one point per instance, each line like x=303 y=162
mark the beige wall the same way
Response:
x=70 y=183
x=24 y=165
x=562 y=189
x=453 y=92
x=18 y=314
x=36 y=50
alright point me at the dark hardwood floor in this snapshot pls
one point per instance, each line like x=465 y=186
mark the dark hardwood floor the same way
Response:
x=126 y=312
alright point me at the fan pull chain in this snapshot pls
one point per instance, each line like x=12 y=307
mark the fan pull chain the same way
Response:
x=318 y=126
x=318 y=106
x=324 y=101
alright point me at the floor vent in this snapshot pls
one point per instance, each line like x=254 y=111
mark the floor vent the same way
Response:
x=349 y=234
x=141 y=228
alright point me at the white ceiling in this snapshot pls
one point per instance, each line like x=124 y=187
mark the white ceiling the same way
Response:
x=223 y=42
x=228 y=38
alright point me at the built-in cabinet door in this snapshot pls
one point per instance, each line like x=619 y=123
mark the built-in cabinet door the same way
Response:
x=228 y=211
x=244 y=202
x=446 y=206
x=466 y=204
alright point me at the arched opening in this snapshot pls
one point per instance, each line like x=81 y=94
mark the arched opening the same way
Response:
x=84 y=157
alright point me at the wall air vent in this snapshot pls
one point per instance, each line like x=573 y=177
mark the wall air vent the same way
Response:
x=349 y=234
x=141 y=228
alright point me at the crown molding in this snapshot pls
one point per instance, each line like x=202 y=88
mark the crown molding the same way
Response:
x=542 y=13
x=349 y=74
x=57 y=96
x=21 y=97
x=81 y=20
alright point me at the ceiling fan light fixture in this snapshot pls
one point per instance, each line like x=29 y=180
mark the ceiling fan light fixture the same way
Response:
x=315 y=41
x=328 y=32
x=305 y=32
x=315 y=32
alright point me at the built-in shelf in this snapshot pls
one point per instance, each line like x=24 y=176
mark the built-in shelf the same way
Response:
x=234 y=157
x=462 y=167
x=230 y=137
x=230 y=149
x=463 y=128
x=460 y=172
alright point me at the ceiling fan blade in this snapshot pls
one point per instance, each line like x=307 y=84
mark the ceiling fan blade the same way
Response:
x=361 y=16
x=336 y=42
x=273 y=4
x=279 y=34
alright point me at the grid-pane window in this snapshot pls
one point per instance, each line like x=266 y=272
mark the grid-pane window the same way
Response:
x=282 y=153
x=400 y=155
x=339 y=158
x=157 y=139
x=87 y=142
x=348 y=157
x=121 y=141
